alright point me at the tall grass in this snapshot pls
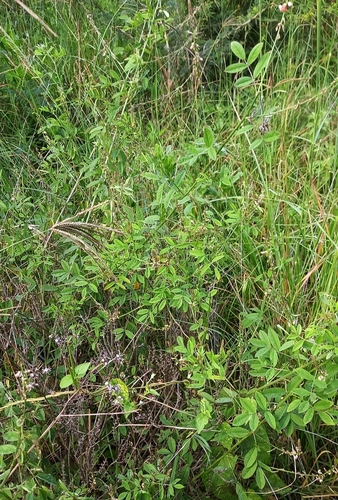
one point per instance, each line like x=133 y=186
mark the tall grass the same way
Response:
x=156 y=221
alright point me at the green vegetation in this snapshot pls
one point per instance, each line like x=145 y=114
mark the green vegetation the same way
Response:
x=168 y=250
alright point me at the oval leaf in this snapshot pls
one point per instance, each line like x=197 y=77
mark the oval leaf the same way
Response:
x=271 y=136
x=304 y=374
x=244 y=129
x=238 y=50
x=81 y=370
x=201 y=421
x=249 y=471
x=7 y=449
x=243 y=81
x=308 y=415
x=11 y=436
x=208 y=137
x=262 y=64
x=260 y=478
x=323 y=404
x=254 y=54
x=251 y=457
x=172 y=444
x=238 y=432
x=236 y=68
x=212 y=153
x=261 y=400
x=325 y=417
x=151 y=219
x=270 y=419
x=297 y=420
x=66 y=381
x=293 y=405
x=249 y=405
x=254 y=422
x=255 y=144
x=241 y=419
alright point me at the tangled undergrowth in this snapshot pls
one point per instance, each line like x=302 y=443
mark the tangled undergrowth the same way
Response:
x=168 y=298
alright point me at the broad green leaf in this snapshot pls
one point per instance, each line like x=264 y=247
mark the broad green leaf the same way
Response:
x=244 y=129
x=66 y=381
x=143 y=495
x=289 y=429
x=260 y=478
x=206 y=396
x=273 y=337
x=243 y=81
x=308 y=415
x=236 y=68
x=11 y=436
x=218 y=257
x=212 y=153
x=262 y=64
x=293 y=405
x=265 y=338
x=326 y=418
x=150 y=176
x=303 y=407
x=270 y=419
x=261 y=400
x=201 y=421
x=172 y=444
x=151 y=219
x=249 y=405
x=297 y=420
x=274 y=393
x=271 y=136
x=270 y=373
x=254 y=53
x=323 y=404
x=294 y=382
x=280 y=411
x=286 y=345
x=208 y=137
x=302 y=393
x=320 y=384
x=191 y=344
x=7 y=449
x=249 y=471
x=178 y=486
x=241 y=419
x=284 y=421
x=80 y=283
x=238 y=432
x=238 y=50
x=254 y=422
x=298 y=345
x=255 y=143
x=47 y=478
x=260 y=439
x=241 y=494
x=93 y=287
x=81 y=370
x=273 y=357
x=223 y=436
x=5 y=493
x=4 y=475
x=198 y=381
x=251 y=457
